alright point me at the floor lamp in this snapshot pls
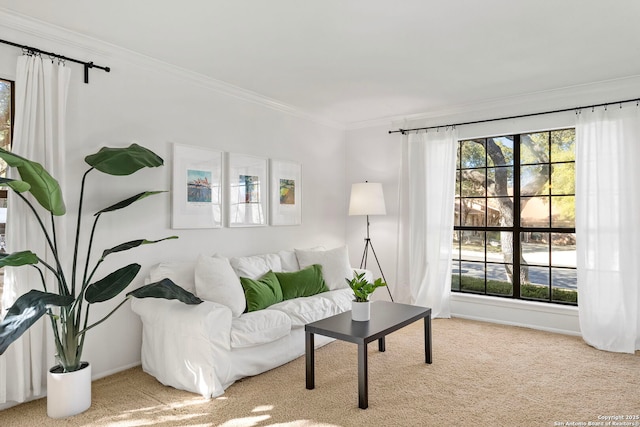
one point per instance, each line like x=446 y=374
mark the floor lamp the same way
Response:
x=367 y=199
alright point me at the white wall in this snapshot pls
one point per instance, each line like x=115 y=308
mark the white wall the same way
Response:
x=374 y=155
x=157 y=105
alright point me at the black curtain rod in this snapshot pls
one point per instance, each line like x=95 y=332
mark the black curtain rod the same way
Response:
x=87 y=65
x=564 y=110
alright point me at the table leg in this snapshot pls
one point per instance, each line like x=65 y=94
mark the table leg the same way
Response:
x=363 y=377
x=310 y=359
x=427 y=339
x=381 y=346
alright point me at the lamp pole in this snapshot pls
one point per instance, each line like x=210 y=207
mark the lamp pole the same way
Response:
x=363 y=261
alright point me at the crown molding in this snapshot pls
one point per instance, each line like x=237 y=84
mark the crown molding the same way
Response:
x=46 y=34
x=559 y=98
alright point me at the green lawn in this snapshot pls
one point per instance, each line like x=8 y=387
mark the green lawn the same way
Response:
x=528 y=291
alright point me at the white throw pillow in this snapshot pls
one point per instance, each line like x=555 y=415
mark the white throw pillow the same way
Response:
x=288 y=261
x=180 y=273
x=216 y=281
x=254 y=267
x=335 y=265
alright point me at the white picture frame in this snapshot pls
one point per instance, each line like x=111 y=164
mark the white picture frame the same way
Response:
x=286 y=192
x=247 y=190
x=196 y=187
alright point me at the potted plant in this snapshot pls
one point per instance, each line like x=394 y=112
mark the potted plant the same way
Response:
x=66 y=299
x=362 y=289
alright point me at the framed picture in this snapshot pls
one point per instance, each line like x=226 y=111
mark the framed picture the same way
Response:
x=248 y=190
x=196 y=187
x=286 y=193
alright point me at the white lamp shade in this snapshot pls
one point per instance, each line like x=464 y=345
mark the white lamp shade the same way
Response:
x=367 y=198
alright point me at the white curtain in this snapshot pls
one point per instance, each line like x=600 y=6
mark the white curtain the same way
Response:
x=427 y=182
x=41 y=89
x=608 y=227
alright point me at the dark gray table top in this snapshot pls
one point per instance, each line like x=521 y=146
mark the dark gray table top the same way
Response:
x=386 y=317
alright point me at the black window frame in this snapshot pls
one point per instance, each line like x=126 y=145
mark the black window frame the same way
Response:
x=517 y=229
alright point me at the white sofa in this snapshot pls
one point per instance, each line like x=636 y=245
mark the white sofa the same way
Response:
x=207 y=347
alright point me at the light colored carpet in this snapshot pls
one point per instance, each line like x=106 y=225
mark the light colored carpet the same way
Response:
x=482 y=375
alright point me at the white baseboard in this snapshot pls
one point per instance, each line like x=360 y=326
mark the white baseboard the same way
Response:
x=535 y=315
x=103 y=374
x=115 y=370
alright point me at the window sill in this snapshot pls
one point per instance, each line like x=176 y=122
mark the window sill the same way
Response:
x=530 y=314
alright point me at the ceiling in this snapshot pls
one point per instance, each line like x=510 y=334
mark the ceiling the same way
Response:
x=351 y=61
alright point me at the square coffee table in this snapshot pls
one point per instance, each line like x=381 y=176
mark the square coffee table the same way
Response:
x=386 y=317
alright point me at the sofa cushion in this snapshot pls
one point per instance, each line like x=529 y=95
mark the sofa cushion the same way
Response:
x=305 y=310
x=341 y=298
x=262 y=292
x=259 y=327
x=302 y=283
x=180 y=273
x=255 y=266
x=335 y=265
x=216 y=281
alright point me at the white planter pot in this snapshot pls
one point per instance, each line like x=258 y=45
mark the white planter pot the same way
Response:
x=360 y=311
x=68 y=393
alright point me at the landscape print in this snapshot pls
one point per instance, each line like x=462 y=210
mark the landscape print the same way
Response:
x=287 y=192
x=198 y=186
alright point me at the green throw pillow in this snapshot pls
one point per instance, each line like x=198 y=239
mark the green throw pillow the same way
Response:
x=302 y=283
x=261 y=293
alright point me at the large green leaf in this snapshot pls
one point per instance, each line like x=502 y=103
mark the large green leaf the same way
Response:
x=15 y=185
x=123 y=161
x=18 y=259
x=25 y=312
x=44 y=187
x=166 y=289
x=111 y=285
x=133 y=244
x=124 y=203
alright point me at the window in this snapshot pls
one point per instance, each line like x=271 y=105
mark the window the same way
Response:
x=6 y=131
x=514 y=231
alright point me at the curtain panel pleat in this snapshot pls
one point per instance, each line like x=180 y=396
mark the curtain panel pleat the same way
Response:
x=608 y=227
x=427 y=182
x=41 y=89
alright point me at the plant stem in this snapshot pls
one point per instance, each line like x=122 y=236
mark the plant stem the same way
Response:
x=70 y=341
x=65 y=289
x=104 y=318
x=86 y=266
x=84 y=287
x=85 y=282
x=75 y=246
x=83 y=335
x=50 y=268
x=44 y=283
x=56 y=333
x=60 y=275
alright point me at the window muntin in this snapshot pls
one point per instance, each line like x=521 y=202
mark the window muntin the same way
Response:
x=528 y=255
